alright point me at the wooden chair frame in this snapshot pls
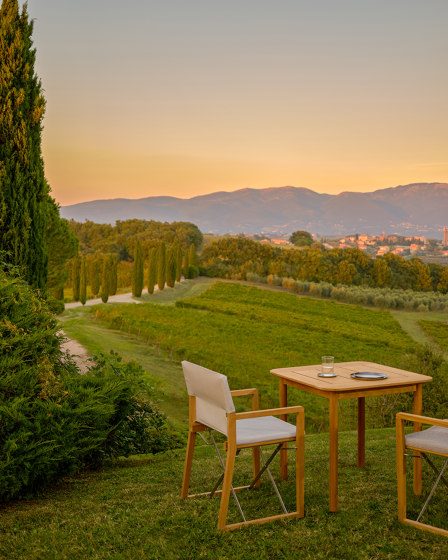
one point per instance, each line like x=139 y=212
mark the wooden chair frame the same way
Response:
x=401 y=466
x=232 y=449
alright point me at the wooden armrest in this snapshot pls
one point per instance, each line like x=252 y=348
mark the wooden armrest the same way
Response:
x=421 y=419
x=252 y=391
x=242 y=392
x=270 y=412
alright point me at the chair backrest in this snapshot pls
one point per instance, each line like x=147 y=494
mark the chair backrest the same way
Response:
x=213 y=398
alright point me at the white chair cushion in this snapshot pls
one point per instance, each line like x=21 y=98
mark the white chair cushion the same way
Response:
x=213 y=398
x=433 y=439
x=260 y=430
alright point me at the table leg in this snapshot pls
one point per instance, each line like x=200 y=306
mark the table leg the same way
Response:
x=283 y=392
x=417 y=428
x=334 y=452
x=361 y=431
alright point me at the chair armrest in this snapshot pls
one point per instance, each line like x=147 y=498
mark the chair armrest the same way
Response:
x=270 y=412
x=421 y=419
x=244 y=392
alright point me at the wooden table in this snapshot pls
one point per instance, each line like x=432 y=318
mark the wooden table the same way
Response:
x=345 y=387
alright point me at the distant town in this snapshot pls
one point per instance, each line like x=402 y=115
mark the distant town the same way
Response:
x=428 y=250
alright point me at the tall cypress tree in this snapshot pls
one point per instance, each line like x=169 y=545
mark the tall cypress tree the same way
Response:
x=104 y=291
x=186 y=265
x=113 y=271
x=83 y=282
x=23 y=189
x=170 y=267
x=76 y=267
x=178 y=254
x=137 y=271
x=152 y=270
x=161 y=266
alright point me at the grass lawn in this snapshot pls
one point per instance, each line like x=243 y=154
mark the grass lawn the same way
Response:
x=131 y=509
x=410 y=322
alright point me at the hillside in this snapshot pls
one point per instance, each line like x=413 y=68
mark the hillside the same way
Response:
x=415 y=209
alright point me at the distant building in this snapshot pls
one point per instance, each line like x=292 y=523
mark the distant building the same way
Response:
x=280 y=242
x=383 y=250
x=445 y=236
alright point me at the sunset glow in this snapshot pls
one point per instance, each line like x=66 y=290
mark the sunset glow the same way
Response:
x=186 y=98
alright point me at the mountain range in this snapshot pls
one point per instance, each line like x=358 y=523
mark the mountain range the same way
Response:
x=415 y=209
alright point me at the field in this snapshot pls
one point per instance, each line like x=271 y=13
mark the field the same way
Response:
x=132 y=509
x=438 y=331
x=244 y=332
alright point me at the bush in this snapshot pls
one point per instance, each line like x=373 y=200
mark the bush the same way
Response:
x=54 y=421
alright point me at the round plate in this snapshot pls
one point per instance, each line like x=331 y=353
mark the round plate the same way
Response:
x=368 y=375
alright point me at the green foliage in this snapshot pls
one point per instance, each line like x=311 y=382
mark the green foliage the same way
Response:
x=170 y=267
x=244 y=332
x=93 y=274
x=438 y=331
x=161 y=266
x=137 y=271
x=186 y=267
x=235 y=258
x=105 y=282
x=301 y=238
x=62 y=245
x=76 y=276
x=178 y=256
x=152 y=270
x=23 y=190
x=83 y=282
x=54 y=421
x=113 y=274
x=121 y=238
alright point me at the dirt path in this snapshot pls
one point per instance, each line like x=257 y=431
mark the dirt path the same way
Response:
x=77 y=351
x=118 y=298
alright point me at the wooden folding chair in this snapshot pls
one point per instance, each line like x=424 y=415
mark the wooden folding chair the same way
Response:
x=432 y=441
x=211 y=408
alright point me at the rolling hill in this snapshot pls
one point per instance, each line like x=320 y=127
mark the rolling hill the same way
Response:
x=415 y=209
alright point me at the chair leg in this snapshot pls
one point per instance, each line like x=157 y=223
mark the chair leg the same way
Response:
x=256 y=464
x=401 y=471
x=300 y=466
x=188 y=463
x=227 y=486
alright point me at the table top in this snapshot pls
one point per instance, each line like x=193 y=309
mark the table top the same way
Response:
x=307 y=375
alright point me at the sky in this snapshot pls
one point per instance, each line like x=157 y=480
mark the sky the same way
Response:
x=183 y=98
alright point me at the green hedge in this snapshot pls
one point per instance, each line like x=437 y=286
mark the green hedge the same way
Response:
x=54 y=421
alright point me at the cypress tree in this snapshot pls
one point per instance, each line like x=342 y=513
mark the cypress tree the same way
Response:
x=113 y=272
x=23 y=189
x=83 y=282
x=152 y=270
x=137 y=271
x=105 y=282
x=178 y=254
x=193 y=270
x=186 y=266
x=76 y=268
x=192 y=257
x=170 y=267
x=161 y=266
x=93 y=275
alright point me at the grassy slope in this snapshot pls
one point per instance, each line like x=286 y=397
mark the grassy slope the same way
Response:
x=132 y=510
x=80 y=325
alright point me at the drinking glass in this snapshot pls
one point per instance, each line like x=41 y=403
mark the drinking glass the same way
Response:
x=327 y=367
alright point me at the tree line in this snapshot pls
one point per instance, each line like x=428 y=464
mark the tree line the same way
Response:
x=104 y=274
x=33 y=238
x=237 y=257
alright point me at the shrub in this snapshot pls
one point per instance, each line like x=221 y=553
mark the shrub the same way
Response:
x=273 y=280
x=54 y=421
